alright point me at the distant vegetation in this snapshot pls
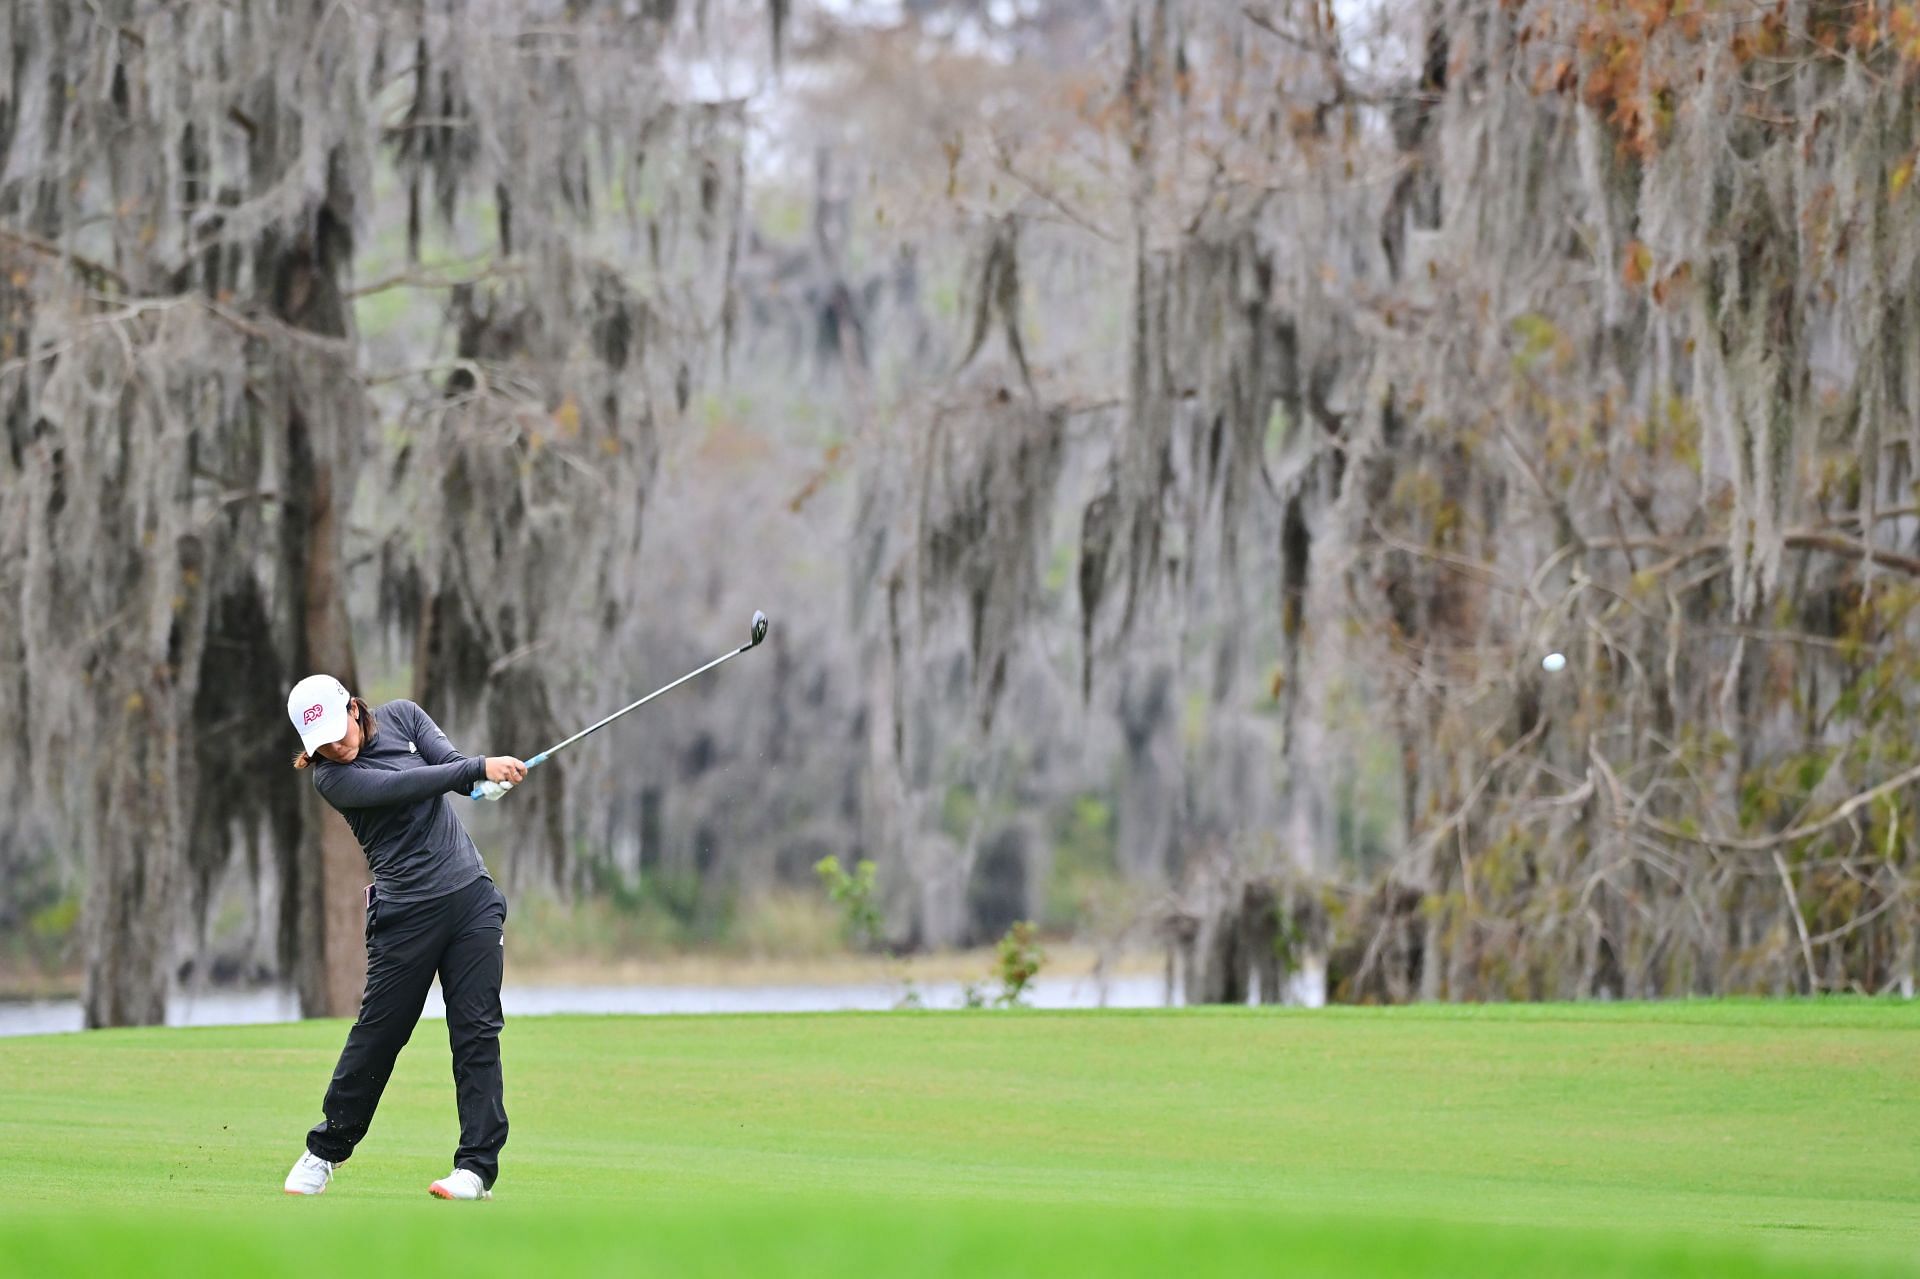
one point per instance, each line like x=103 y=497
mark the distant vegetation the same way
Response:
x=1166 y=434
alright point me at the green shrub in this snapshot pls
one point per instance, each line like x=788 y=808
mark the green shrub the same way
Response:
x=1018 y=963
x=854 y=895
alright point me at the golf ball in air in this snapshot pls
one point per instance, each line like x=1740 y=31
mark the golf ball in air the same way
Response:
x=1553 y=662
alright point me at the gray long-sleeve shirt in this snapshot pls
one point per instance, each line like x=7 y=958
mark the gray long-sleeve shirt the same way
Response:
x=394 y=796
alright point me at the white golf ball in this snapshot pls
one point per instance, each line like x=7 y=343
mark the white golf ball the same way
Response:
x=1553 y=662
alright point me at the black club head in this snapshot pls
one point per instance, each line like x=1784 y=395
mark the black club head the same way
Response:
x=759 y=626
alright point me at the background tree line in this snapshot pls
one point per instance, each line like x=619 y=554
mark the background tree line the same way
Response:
x=1166 y=435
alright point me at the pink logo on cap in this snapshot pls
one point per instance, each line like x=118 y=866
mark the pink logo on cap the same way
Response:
x=312 y=713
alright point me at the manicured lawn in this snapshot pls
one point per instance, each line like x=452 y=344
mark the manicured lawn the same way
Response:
x=1710 y=1139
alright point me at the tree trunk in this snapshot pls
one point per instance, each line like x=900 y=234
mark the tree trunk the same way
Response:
x=330 y=967
x=139 y=863
x=324 y=413
x=131 y=884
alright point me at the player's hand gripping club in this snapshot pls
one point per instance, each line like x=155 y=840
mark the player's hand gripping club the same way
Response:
x=502 y=772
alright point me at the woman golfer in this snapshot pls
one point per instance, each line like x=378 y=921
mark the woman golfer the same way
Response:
x=432 y=908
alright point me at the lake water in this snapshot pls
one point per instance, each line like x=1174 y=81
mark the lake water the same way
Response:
x=245 y=1008
x=240 y=1008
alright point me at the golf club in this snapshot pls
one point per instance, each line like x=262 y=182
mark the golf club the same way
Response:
x=494 y=790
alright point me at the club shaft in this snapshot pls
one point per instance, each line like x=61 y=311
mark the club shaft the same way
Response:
x=545 y=754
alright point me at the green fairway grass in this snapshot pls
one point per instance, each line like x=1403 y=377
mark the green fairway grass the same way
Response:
x=1684 y=1139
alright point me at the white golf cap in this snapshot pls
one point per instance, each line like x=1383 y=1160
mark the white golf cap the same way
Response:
x=318 y=708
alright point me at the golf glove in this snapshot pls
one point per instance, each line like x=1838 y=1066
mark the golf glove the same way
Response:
x=494 y=790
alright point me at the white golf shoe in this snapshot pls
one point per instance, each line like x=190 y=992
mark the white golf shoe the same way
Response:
x=310 y=1175
x=461 y=1183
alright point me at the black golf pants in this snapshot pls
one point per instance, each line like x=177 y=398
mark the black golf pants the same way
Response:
x=460 y=937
